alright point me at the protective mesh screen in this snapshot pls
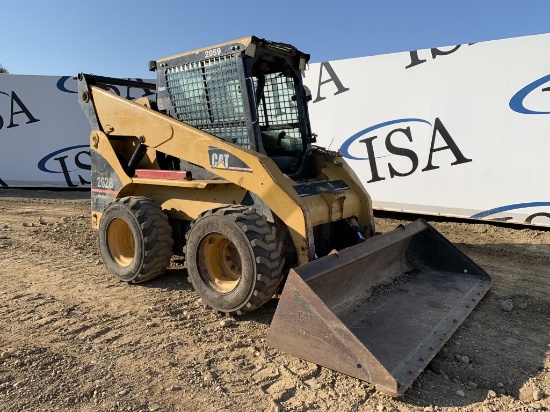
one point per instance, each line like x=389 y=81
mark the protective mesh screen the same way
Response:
x=207 y=95
x=279 y=108
x=278 y=112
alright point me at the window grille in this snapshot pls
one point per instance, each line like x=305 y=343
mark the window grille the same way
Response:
x=207 y=95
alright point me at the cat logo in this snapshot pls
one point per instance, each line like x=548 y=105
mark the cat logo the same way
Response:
x=220 y=161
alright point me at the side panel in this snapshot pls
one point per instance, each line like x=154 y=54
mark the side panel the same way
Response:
x=105 y=182
x=187 y=203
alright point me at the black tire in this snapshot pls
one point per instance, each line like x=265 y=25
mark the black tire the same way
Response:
x=233 y=259
x=135 y=239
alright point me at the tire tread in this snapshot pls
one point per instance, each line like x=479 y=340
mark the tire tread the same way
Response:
x=266 y=248
x=156 y=232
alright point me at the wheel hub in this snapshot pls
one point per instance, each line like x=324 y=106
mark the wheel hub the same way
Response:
x=120 y=241
x=222 y=262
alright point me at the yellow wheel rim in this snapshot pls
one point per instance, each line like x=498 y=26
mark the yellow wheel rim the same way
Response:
x=222 y=262
x=120 y=241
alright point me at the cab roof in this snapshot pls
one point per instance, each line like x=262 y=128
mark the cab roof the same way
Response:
x=243 y=44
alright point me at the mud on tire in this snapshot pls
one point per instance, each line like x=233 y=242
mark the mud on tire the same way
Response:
x=135 y=239
x=233 y=258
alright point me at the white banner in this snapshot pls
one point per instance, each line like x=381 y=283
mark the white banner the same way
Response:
x=457 y=131
x=44 y=134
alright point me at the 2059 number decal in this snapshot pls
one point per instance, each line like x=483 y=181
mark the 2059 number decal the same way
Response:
x=212 y=53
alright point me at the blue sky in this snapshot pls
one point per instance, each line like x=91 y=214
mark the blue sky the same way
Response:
x=118 y=37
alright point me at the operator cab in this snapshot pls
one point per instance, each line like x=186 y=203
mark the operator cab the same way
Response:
x=248 y=92
x=281 y=106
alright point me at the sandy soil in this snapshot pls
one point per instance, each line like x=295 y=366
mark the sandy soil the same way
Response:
x=72 y=338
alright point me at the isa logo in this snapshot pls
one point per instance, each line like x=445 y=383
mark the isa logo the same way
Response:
x=401 y=147
x=531 y=99
x=530 y=213
x=72 y=162
x=67 y=84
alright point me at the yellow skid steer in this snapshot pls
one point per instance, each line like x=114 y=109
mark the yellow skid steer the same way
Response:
x=217 y=163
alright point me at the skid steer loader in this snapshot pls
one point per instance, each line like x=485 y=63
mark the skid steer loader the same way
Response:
x=218 y=164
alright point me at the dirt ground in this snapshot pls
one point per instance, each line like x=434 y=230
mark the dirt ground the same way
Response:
x=72 y=338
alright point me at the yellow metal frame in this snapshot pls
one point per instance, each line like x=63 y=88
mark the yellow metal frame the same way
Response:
x=187 y=199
